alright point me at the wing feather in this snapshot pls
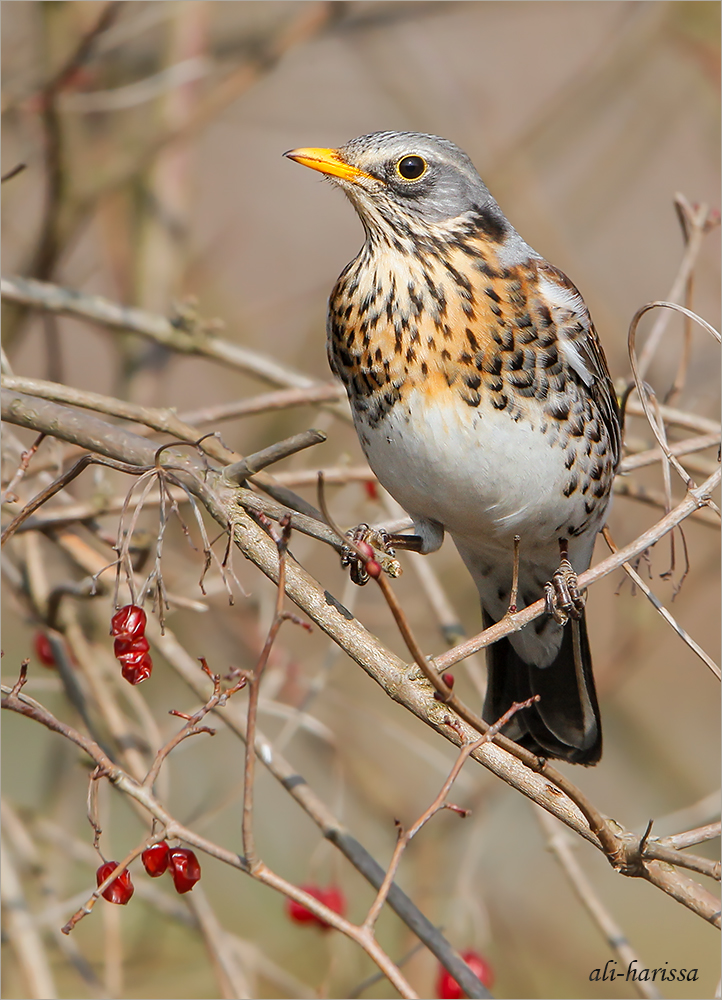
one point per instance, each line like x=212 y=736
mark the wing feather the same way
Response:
x=580 y=346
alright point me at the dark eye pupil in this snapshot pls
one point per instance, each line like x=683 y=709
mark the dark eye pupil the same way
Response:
x=411 y=167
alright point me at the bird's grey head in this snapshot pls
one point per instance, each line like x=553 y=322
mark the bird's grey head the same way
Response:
x=392 y=177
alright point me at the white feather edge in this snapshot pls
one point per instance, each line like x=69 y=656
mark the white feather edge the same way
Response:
x=563 y=303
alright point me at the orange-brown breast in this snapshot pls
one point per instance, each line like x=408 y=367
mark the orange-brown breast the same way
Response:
x=451 y=322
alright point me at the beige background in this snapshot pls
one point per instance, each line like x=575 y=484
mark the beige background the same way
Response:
x=584 y=119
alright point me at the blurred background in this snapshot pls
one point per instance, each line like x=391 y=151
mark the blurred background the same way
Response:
x=155 y=176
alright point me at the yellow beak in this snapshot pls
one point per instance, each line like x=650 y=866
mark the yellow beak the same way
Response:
x=327 y=161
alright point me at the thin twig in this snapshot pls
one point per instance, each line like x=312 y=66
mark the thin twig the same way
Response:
x=22 y=468
x=192 y=727
x=54 y=298
x=324 y=392
x=653 y=455
x=638 y=371
x=691 y=837
x=678 y=418
x=252 y=464
x=13 y=172
x=653 y=849
x=617 y=940
x=654 y=498
x=698 y=226
x=439 y=803
x=655 y=601
x=254 y=684
x=60 y=483
x=49 y=242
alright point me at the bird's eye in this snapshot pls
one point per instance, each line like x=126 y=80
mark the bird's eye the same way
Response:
x=411 y=167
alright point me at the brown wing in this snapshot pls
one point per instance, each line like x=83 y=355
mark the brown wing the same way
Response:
x=581 y=347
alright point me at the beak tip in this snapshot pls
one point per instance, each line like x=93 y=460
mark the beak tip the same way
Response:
x=326 y=161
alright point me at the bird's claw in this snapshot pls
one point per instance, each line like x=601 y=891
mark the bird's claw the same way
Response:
x=383 y=552
x=563 y=598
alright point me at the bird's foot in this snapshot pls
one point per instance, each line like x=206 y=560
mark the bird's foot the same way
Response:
x=563 y=598
x=380 y=543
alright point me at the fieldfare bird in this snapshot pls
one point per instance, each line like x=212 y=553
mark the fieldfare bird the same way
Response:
x=483 y=402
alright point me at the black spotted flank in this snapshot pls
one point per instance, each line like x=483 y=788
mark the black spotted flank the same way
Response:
x=559 y=409
x=504 y=337
x=521 y=379
x=571 y=486
x=515 y=361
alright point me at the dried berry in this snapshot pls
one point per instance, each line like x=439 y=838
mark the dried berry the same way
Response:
x=185 y=868
x=447 y=987
x=130 y=647
x=128 y=622
x=136 y=672
x=120 y=889
x=156 y=858
x=44 y=650
x=132 y=650
x=332 y=897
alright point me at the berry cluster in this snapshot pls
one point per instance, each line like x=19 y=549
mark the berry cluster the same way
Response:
x=131 y=646
x=157 y=859
x=332 y=897
x=184 y=866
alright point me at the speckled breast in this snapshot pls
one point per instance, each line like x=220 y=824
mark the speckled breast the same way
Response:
x=464 y=405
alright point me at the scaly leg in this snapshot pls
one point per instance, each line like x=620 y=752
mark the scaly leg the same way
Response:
x=384 y=545
x=563 y=597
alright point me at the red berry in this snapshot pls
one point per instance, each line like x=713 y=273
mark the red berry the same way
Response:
x=373 y=569
x=298 y=912
x=448 y=679
x=365 y=549
x=129 y=622
x=447 y=987
x=155 y=859
x=135 y=672
x=184 y=868
x=130 y=647
x=371 y=488
x=44 y=650
x=332 y=897
x=120 y=889
x=134 y=656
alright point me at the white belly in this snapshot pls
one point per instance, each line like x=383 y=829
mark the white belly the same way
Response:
x=479 y=473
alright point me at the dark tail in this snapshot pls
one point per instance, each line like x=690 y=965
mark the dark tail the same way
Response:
x=565 y=722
